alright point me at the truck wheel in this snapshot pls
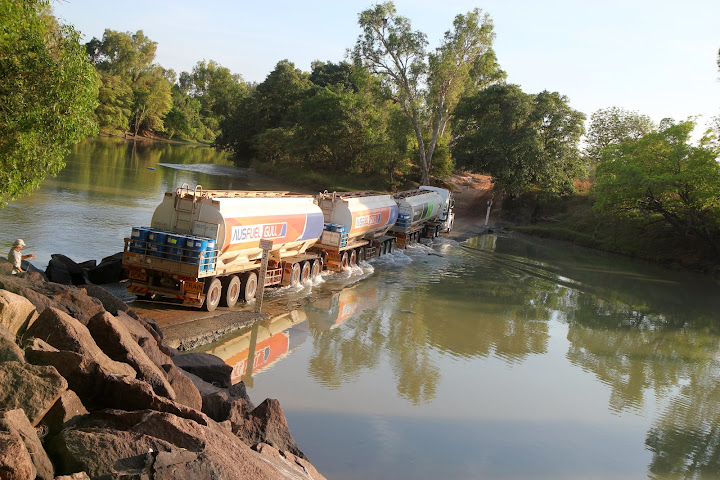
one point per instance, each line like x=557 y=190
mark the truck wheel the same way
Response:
x=353 y=259
x=249 y=286
x=295 y=274
x=344 y=261
x=315 y=269
x=231 y=291
x=305 y=272
x=390 y=246
x=213 y=292
x=360 y=254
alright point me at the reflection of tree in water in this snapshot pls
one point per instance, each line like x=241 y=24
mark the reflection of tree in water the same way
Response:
x=507 y=319
x=411 y=358
x=685 y=440
x=631 y=351
x=667 y=354
x=341 y=354
x=110 y=164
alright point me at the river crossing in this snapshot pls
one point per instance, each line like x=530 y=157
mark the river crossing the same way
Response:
x=500 y=357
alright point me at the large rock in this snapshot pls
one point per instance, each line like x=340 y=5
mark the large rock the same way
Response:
x=110 y=270
x=231 y=404
x=16 y=312
x=291 y=465
x=62 y=269
x=267 y=424
x=191 y=450
x=99 y=388
x=186 y=393
x=110 y=302
x=104 y=452
x=84 y=376
x=116 y=341
x=34 y=388
x=66 y=333
x=15 y=460
x=148 y=337
x=64 y=413
x=9 y=350
x=15 y=421
x=43 y=294
x=210 y=368
x=74 y=476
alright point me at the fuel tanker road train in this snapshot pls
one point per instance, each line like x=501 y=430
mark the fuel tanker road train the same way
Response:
x=203 y=247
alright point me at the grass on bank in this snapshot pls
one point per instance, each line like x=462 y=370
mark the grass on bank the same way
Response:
x=573 y=219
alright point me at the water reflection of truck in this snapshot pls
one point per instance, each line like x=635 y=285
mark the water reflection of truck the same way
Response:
x=203 y=247
x=265 y=343
x=328 y=313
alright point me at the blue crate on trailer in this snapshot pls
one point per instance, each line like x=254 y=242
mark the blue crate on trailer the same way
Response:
x=156 y=243
x=194 y=248
x=174 y=246
x=139 y=238
x=209 y=257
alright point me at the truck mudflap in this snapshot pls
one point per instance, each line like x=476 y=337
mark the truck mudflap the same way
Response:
x=187 y=300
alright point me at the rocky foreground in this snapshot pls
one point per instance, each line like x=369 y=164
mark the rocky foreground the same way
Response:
x=88 y=389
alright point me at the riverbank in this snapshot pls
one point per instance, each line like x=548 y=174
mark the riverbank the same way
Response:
x=89 y=388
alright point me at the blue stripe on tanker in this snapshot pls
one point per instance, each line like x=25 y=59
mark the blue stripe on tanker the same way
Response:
x=314 y=225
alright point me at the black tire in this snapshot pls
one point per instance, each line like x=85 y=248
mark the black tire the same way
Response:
x=305 y=272
x=231 y=291
x=213 y=293
x=352 y=259
x=344 y=261
x=390 y=246
x=316 y=268
x=295 y=274
x=248 y=286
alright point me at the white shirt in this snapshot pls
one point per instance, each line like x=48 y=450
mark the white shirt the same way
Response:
x=15 y=258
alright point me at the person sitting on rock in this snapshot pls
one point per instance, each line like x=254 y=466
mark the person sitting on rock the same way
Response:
x=16 y=258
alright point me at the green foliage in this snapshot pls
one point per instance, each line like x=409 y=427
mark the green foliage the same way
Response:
x=426 y=85
x=48 y=92
x=613 y=126
x=134 y=91
x=115 y=102
x=661 y=177
x=333 y=75
x=525 y=142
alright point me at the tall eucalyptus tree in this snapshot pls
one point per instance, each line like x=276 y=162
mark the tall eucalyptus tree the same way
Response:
x=427 y=85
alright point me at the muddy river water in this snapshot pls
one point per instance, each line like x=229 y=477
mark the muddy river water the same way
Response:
x=500 y=357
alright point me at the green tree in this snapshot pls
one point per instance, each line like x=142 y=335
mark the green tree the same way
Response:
x=115 y=102
x=217 y=90
x=333 y=75
x=663 y=178
x=524 y=141
x=272 y=104
x=125 y=62
x=152 y=99
x=613 y=126
x=427 y=86
x=48 y=91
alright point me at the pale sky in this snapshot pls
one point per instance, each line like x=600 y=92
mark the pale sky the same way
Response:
x=655 y=57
